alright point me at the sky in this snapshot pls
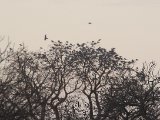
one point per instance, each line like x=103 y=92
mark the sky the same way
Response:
x=130 y=26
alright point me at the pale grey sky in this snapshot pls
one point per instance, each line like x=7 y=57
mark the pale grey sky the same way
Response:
x=131 y=26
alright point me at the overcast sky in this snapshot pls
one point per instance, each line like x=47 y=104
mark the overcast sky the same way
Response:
x=131 y=26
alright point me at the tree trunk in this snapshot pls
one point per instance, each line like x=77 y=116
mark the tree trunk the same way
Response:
x=90 y=108
x=56 y=113
x=43 y=111
x=98 y=107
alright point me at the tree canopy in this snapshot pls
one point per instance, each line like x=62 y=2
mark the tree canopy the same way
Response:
x=76 y=82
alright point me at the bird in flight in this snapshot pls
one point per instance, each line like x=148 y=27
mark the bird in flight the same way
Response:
x=45 y=37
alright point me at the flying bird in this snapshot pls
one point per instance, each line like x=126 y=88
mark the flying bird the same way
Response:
x=45 y=37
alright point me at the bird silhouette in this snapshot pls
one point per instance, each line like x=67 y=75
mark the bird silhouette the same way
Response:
x=45 y=37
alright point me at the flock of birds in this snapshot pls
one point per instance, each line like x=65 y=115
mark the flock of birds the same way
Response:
x=45 y=36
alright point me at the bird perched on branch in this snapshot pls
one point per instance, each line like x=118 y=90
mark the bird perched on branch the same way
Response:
x=45 y=37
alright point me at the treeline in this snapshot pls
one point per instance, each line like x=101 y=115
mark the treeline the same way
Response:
x=76 y=82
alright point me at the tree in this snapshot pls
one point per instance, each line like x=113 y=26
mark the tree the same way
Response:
x=8 y=110
x=4 y=53
x=136 y=97
x=43 y=80
x=76 y=82
x=98 y=69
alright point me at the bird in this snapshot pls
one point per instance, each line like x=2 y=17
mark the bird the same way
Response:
x=89 y=23
x=45 y=37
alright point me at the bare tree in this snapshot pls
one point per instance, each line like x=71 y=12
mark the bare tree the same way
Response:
x=97 y=70
x=136 y=97
x=9 y=108
x=43 y=80
x=5 y=52
x=76 y=82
